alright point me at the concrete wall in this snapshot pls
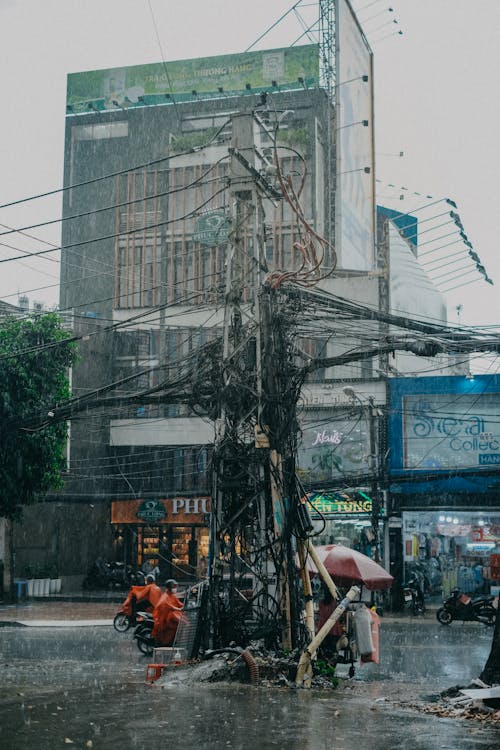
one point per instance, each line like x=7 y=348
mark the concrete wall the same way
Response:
x=62 y=538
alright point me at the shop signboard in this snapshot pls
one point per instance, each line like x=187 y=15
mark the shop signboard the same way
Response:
x=333 y=450
x=183 y=80
x=440 y=424
x=210 y=229
x=333 y=504
x=172 y=510
x=151 y=511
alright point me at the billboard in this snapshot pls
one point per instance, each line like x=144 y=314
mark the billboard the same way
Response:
x=330 y=450
x=444 y=424
x=157 y=83
x=355 y=182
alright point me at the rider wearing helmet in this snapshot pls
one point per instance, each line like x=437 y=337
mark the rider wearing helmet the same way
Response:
x=167 y=615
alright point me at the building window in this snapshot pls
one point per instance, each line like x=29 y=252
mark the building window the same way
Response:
x=99 y=131
x=157 y=258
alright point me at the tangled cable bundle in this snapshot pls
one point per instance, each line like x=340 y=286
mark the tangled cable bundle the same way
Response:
x=309 y=274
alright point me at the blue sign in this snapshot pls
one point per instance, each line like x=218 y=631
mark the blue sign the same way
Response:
x=443 y=425
x=489 y=459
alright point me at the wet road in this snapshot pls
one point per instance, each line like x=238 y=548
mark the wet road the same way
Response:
x=84 y=688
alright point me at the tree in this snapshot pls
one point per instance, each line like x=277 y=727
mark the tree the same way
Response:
x=35 y=354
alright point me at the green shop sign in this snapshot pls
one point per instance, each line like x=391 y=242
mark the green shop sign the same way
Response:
x=339 y=503
x=183 y=80
x=211 y=229
x=151 y=511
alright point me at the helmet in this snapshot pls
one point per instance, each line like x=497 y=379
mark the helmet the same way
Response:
x=150 y=578
x=171 y=583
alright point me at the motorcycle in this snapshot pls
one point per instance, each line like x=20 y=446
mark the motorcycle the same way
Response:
x=108 y=575
x=414 y=596
x=128 y=614
x=459 y=606
x=142 y=633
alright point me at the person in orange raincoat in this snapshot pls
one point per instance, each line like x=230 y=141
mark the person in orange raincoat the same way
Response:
x=146 y=596
x=167 y=615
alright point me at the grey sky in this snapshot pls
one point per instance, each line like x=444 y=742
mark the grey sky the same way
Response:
x=436 y=100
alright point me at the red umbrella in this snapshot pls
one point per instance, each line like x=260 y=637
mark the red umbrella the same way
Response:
x=347 y=566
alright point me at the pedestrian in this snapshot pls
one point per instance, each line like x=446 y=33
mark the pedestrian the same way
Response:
x=167 y=615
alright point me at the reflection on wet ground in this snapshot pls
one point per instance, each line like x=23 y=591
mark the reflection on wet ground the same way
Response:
x=84 y=687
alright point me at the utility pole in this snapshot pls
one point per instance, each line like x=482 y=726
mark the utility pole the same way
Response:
x=239 y=513
x=253 y=474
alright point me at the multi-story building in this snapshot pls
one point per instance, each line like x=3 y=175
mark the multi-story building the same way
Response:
x=145 y=243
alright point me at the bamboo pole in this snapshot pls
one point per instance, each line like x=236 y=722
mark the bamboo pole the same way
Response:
x=324 y=574
x=304 y=669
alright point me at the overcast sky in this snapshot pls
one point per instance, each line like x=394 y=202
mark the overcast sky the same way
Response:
x=436 y=101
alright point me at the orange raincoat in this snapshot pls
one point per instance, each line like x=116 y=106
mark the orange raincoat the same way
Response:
x=149 y=595
x=166 y=616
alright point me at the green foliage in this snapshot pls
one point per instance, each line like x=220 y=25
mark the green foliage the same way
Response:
x=296 y=138
x=34 y=361
x=326 y=669
x=192 y=140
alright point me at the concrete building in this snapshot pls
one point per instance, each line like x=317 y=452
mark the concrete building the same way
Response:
x=145 y=237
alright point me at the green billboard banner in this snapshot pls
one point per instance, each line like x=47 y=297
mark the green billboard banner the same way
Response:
x=184 y=80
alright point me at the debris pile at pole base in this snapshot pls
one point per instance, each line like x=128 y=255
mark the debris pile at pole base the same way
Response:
x=253 y=665
x=477 y=701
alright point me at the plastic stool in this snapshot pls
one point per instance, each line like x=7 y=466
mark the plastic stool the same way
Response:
x=154 y=671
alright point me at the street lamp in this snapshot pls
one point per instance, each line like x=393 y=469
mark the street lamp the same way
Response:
x=371 y=414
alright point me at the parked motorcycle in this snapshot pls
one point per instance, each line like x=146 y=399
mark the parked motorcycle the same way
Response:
x=413 y=596
x=108 y=575
x=460 y=606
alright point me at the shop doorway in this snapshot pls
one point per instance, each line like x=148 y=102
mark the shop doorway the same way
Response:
x=168 y=550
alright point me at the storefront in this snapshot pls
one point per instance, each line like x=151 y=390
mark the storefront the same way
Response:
x=169 y=536
x=444 y=439
x=451 y=549
x=346 y=517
